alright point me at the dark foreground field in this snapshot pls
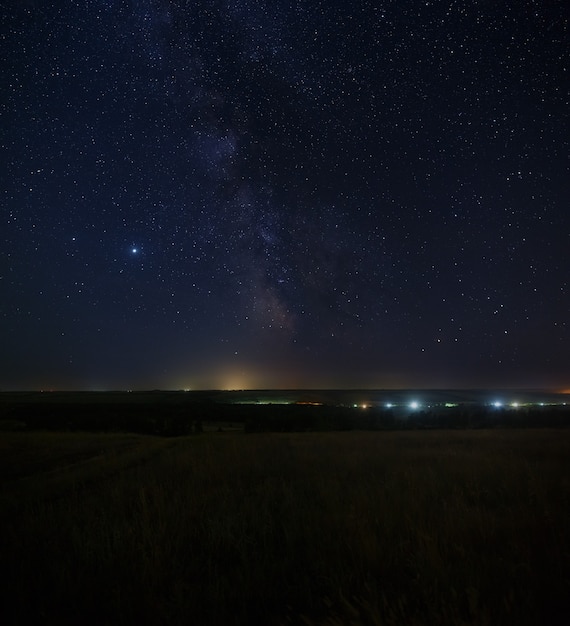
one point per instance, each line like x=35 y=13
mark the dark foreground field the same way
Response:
x=438 y=527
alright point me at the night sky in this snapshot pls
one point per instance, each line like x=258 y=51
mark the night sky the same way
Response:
x=284 y=194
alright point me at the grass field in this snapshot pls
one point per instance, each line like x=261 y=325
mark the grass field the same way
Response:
x=438 y=527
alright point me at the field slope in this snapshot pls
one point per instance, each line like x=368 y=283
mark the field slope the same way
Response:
x=439 y=527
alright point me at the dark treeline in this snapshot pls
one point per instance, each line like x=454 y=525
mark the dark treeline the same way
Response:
x=175 y=419
x=294 y=418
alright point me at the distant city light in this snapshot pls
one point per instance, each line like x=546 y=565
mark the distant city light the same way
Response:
x=389 y=405
x=497 y=405
x=414 y=405
x=515 y=405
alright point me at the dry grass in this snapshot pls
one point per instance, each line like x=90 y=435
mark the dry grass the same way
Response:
x=330 y=528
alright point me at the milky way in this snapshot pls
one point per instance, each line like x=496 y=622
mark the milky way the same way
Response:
x=284 y=194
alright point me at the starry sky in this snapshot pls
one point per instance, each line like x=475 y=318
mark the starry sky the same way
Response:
x=284 y=194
